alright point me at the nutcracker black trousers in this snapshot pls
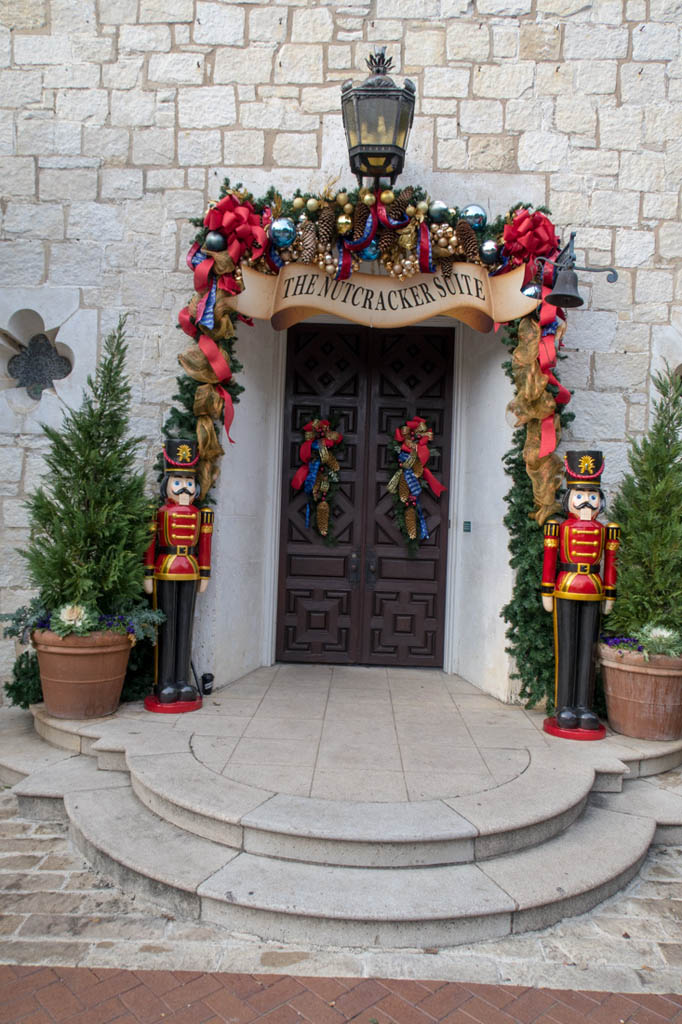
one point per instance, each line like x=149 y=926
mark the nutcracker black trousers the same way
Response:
x=176 y=600
x=576 y=631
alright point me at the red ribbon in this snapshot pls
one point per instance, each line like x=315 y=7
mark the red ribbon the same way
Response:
x=384 y=217
x=410 y=442
x=241 y=226
x=222 y=370
x=305 y=452
x=424 y=249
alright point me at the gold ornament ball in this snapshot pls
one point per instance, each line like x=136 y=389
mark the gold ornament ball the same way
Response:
x=343 y=223
x=387 y=197
x=369 y=199
x=348 y=208
x=342 y=198
x=298 y=203
x=423 y=206
x=410 y=210
x=312 y=205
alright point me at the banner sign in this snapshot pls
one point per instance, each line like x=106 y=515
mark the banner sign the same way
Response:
x=300 y=291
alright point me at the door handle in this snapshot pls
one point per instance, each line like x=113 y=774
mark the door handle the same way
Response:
x=371 y=570
x=354 y=569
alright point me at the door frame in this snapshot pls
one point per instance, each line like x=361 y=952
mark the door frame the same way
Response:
x=273 y=524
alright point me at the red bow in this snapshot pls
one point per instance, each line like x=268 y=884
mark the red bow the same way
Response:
x=240 y=225
x=528 y=236
x=413 y=437
x=314 y=430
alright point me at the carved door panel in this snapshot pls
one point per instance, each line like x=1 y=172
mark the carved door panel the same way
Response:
x=363 y=600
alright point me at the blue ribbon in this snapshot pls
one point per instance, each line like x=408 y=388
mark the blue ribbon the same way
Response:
x=415 y=490
x=275 y=257
x=208 y=316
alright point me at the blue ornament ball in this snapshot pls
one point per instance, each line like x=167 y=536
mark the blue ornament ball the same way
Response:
x=282 y=232
x=439 y=213
x=475 y=215
x=371 y=250
x=490 y=253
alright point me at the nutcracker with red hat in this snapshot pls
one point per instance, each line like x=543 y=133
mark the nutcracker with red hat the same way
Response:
x=177 y=567
x=574 y=588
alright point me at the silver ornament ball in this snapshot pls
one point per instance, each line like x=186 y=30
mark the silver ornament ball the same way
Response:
x=490 y=253
x=475 y=215
x=438 y=212
x=282 y=232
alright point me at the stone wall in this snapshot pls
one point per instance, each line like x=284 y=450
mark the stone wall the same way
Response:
x=119 y=119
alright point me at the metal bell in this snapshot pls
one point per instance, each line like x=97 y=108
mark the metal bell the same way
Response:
x=565 y=290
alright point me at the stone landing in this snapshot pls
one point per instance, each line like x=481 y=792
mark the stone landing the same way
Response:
x=349 y=806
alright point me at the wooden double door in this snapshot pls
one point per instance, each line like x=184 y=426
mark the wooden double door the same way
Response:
x=364 y=600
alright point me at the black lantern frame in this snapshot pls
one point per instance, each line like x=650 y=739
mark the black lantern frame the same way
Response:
x=377 y=118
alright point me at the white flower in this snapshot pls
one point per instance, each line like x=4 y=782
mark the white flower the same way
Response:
x=72 y=615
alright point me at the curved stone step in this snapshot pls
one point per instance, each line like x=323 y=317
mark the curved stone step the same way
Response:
x=140 y=851
x=536 y=805
x=41 y=795
x=647 y=800
x=432 y=906
x=22 y=751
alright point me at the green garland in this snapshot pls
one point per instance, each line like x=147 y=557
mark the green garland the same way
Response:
x=530 y=631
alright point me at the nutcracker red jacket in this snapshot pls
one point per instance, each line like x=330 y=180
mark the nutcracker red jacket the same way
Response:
x=573 y=551
x=180 y=547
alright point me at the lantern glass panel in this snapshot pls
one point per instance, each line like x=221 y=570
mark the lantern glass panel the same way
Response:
x=378 y=115
x=404 y=125
x=351 y=122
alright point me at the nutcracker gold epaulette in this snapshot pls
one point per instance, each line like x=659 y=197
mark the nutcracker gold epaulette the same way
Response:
x=612 y=531
x=207 y=517
x=552 y=527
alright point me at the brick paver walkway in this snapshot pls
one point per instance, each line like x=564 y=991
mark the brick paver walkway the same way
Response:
x=72 y=995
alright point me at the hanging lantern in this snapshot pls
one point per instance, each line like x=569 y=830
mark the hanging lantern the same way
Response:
x=377 y=117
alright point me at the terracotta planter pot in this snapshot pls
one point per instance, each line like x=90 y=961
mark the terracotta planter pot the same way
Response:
x=643 y=698
x=82 y=676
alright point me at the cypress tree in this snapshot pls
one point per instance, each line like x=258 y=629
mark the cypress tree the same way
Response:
x=89 y=521
x=648 y=508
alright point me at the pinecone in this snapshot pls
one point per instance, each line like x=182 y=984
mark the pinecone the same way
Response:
x=360 y=215
x=467 y=241
x=308 y=242
x=326 y=225
x=387 y=241
x=411 y=522
x=446 y=266
x=403 y=489
x=396 y=210
x=323 y=517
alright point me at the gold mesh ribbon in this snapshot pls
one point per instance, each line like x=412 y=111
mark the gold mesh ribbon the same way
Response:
x=531 y=405
x=208 y=406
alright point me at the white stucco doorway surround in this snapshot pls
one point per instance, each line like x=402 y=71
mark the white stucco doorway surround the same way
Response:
x=235 y=624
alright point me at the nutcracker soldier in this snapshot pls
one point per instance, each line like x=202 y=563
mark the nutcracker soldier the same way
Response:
x=177 y=565
x=573 y=588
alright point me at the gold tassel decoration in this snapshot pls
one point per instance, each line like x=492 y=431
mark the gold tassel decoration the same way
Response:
x=323 y=517
x=411 y=522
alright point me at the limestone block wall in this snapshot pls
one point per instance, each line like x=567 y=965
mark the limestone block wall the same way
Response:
x=119 y=119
